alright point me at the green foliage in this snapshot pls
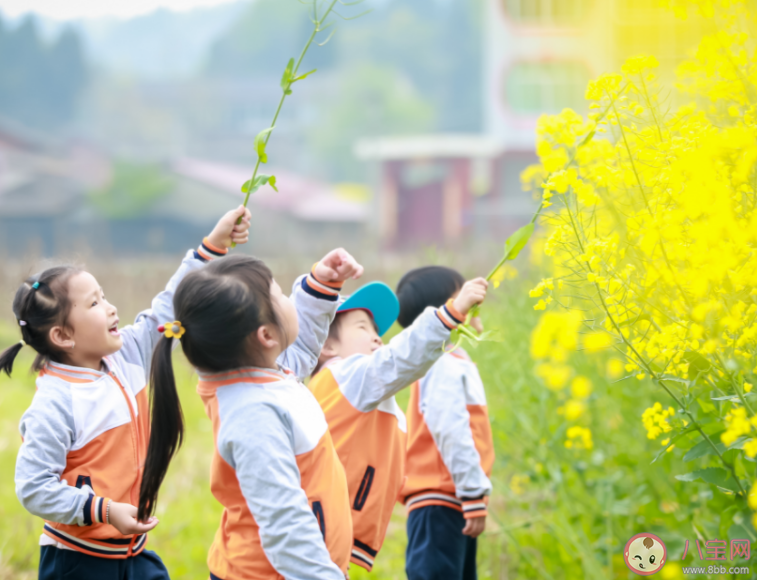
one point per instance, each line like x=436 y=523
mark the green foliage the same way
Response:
x=133 y=190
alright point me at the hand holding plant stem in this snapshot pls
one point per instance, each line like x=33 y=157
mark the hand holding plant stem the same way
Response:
x=513 y=246
x=289 y=77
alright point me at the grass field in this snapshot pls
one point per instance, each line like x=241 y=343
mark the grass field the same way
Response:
x=556 y=513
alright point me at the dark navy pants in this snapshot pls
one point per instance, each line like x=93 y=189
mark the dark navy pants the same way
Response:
x=58 y=564
x=436 y=546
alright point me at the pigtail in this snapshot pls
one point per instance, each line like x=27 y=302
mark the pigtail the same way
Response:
x=166 y=430
x=8 y=356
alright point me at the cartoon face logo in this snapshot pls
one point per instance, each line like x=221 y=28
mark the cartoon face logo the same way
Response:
x=645 y=554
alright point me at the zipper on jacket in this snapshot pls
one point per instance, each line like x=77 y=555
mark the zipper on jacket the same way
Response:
x=135 y=433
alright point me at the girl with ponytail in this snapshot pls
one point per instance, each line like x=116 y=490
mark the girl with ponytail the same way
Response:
x=85 y=433
x=274 y=468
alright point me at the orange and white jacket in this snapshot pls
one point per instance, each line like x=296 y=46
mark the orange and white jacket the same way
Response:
x=85 y=437
x=368 y=427
x=450 y=451
x=274 y=468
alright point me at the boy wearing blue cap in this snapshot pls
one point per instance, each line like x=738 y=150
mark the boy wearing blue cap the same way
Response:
x=355 y=383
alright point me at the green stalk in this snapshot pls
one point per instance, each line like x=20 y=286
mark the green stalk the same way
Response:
x=316 y=29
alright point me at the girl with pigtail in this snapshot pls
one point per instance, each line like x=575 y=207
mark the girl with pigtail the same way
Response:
x=274 y=468
x=85 y=434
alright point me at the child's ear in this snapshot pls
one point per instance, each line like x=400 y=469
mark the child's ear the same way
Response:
x=61 y=338
x=266 y=337
x=329 y=349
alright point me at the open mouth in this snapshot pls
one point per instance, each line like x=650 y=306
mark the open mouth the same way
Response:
x=113 y=330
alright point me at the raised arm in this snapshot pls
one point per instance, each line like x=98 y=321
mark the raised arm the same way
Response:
x=316 y=298
x=140 y=338
x=367 y=380
x=269 y=478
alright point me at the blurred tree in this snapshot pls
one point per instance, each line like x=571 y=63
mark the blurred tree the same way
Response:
x=39 y=84
x=133 y=190
x=263 y=39
x=370 y=100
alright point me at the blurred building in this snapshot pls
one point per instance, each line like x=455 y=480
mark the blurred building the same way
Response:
x=540 y=55
x=429 y=186
x=43 y=187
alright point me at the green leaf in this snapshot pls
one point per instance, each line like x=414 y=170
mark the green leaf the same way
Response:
x=303 y=76
x=697 y=364
x=703 y=448
x=286 y=78
x=516 y=242
x=259 y=143
x=267 y=179
x=714 y=475
x=259 y=182
x=686 y=431
x=726 y=520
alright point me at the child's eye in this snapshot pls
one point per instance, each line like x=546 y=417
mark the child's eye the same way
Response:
x=94 y=303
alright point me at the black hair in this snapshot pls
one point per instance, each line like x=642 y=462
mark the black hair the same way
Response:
x=423 y=287
x=220 y=307
x=41 y=303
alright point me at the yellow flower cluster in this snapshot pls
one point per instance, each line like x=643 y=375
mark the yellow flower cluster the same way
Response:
x=655 y=421
x=651 y=227
x=552 y=341
x=653 y=233
x=579 y=438
x=739 y=425
x=518 y=483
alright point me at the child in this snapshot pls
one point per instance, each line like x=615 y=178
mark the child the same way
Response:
x=356 y=390
x=450 y=450
x=274 y=468
x=85 y=433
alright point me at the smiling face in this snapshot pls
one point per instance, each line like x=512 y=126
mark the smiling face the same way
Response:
x=645 y=555
x=92 y=322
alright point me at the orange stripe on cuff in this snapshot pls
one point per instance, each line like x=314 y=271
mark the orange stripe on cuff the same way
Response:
x=475 y=514
x=453 y=311
x=318 y=286
x=214 y=248
x=335 y=285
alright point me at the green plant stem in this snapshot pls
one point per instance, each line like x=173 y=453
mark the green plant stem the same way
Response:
x=316 y=30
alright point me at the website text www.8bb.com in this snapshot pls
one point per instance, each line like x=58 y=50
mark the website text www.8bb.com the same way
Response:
x=715 y=570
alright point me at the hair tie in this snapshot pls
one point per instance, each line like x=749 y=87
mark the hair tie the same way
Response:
x=35 y=285
x=22 y=342
x=172 y=329
x=22 y=322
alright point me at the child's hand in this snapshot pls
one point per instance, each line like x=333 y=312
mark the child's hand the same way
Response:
x=227 y=230
x=123 y=517
x=472 y=292
x=337 y=266
x=474 y=526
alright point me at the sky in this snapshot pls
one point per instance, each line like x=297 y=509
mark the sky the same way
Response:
x=77 y=9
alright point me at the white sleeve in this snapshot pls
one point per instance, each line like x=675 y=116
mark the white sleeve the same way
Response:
x=315 y=313
x=268 y=475
x=140 y=338
x=48 y=432
x=444 y=408
x=367 y=380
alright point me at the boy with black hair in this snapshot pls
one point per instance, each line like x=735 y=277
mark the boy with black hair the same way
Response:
x=355 y=385
x=450 y=450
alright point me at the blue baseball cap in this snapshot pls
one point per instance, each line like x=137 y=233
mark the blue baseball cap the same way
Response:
x=378 y=299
